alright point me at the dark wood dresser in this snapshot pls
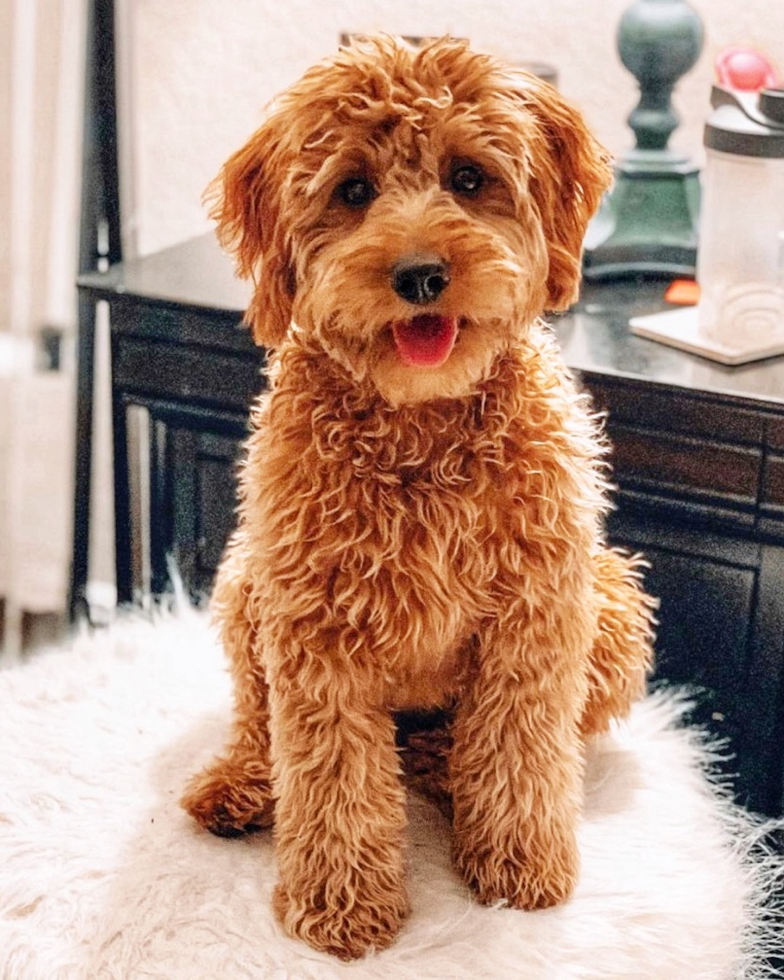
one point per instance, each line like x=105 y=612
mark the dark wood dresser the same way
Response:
x=698 y=458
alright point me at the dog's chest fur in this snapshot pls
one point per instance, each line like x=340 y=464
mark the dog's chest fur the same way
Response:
x=390 y=529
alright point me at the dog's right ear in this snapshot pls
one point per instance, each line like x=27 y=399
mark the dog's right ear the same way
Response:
x=245 y=202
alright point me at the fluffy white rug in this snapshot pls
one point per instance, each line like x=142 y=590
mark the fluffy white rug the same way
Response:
x=103 y=876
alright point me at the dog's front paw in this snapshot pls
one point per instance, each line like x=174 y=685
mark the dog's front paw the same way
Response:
x=537 y=881
x=340 y=921
x=231 y=799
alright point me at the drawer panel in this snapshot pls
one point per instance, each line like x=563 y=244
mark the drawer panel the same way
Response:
x=177 y=372
x=772 y=497
x=773 y=484
x=775 y=438
x=205 y=328
x=672 y=464
x=670 y=411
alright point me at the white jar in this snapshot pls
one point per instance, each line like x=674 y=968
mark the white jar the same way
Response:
x=740 y=259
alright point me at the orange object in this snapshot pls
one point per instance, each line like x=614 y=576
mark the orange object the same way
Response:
x=684 y=292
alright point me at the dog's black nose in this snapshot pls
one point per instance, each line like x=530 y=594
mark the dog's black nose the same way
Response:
x=420 y=280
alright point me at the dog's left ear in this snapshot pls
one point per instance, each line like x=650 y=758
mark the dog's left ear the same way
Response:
x=570 y=173
x=245 y=203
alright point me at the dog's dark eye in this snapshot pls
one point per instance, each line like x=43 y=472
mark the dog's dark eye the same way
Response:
x=467 y=179
x=356 y=192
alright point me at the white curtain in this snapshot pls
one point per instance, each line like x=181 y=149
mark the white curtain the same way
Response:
x=41 y=98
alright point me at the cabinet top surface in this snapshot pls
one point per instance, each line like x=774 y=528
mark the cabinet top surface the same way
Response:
x=196 y=274
x=594 y=335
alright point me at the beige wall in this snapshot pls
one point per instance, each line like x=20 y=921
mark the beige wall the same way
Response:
x=41 y=71
x=40 y=117
x=5 y=156
x=201 y=70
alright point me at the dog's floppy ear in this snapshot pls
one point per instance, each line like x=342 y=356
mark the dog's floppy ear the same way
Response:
x=570 y=172
x=245 y=203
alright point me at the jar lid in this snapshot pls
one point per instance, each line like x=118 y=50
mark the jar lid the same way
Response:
x=747 y=124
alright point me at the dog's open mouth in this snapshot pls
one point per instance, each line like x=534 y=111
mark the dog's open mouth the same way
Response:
x=426 y=340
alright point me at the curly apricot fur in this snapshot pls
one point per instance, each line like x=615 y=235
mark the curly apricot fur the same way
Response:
x=416 y=536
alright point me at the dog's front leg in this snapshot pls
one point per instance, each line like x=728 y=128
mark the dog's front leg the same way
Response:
x=340 y=812
x=516 y=764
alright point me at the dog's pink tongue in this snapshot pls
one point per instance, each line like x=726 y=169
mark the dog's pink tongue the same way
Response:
x=426 y=340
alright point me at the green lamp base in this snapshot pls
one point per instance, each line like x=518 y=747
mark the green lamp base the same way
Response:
x=648 y=223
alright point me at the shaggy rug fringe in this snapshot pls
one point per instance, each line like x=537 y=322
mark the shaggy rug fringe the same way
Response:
x=103 y=877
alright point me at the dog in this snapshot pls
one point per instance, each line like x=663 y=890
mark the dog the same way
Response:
x=424 y=488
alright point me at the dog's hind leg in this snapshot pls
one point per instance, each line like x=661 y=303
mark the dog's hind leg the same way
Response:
x=622 y=653
x=233 y=796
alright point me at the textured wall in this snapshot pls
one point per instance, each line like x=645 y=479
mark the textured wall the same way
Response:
x=198 y=72
x=41 y=105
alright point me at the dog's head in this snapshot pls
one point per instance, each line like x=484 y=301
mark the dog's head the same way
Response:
x=413 y=210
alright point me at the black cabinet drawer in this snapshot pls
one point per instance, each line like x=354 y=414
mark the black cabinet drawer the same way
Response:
x=717 y=473
x=178 y=372
x=709 y=462
x=772 y=497
x=207 y=329
x=667 y=410
x=772 y=492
